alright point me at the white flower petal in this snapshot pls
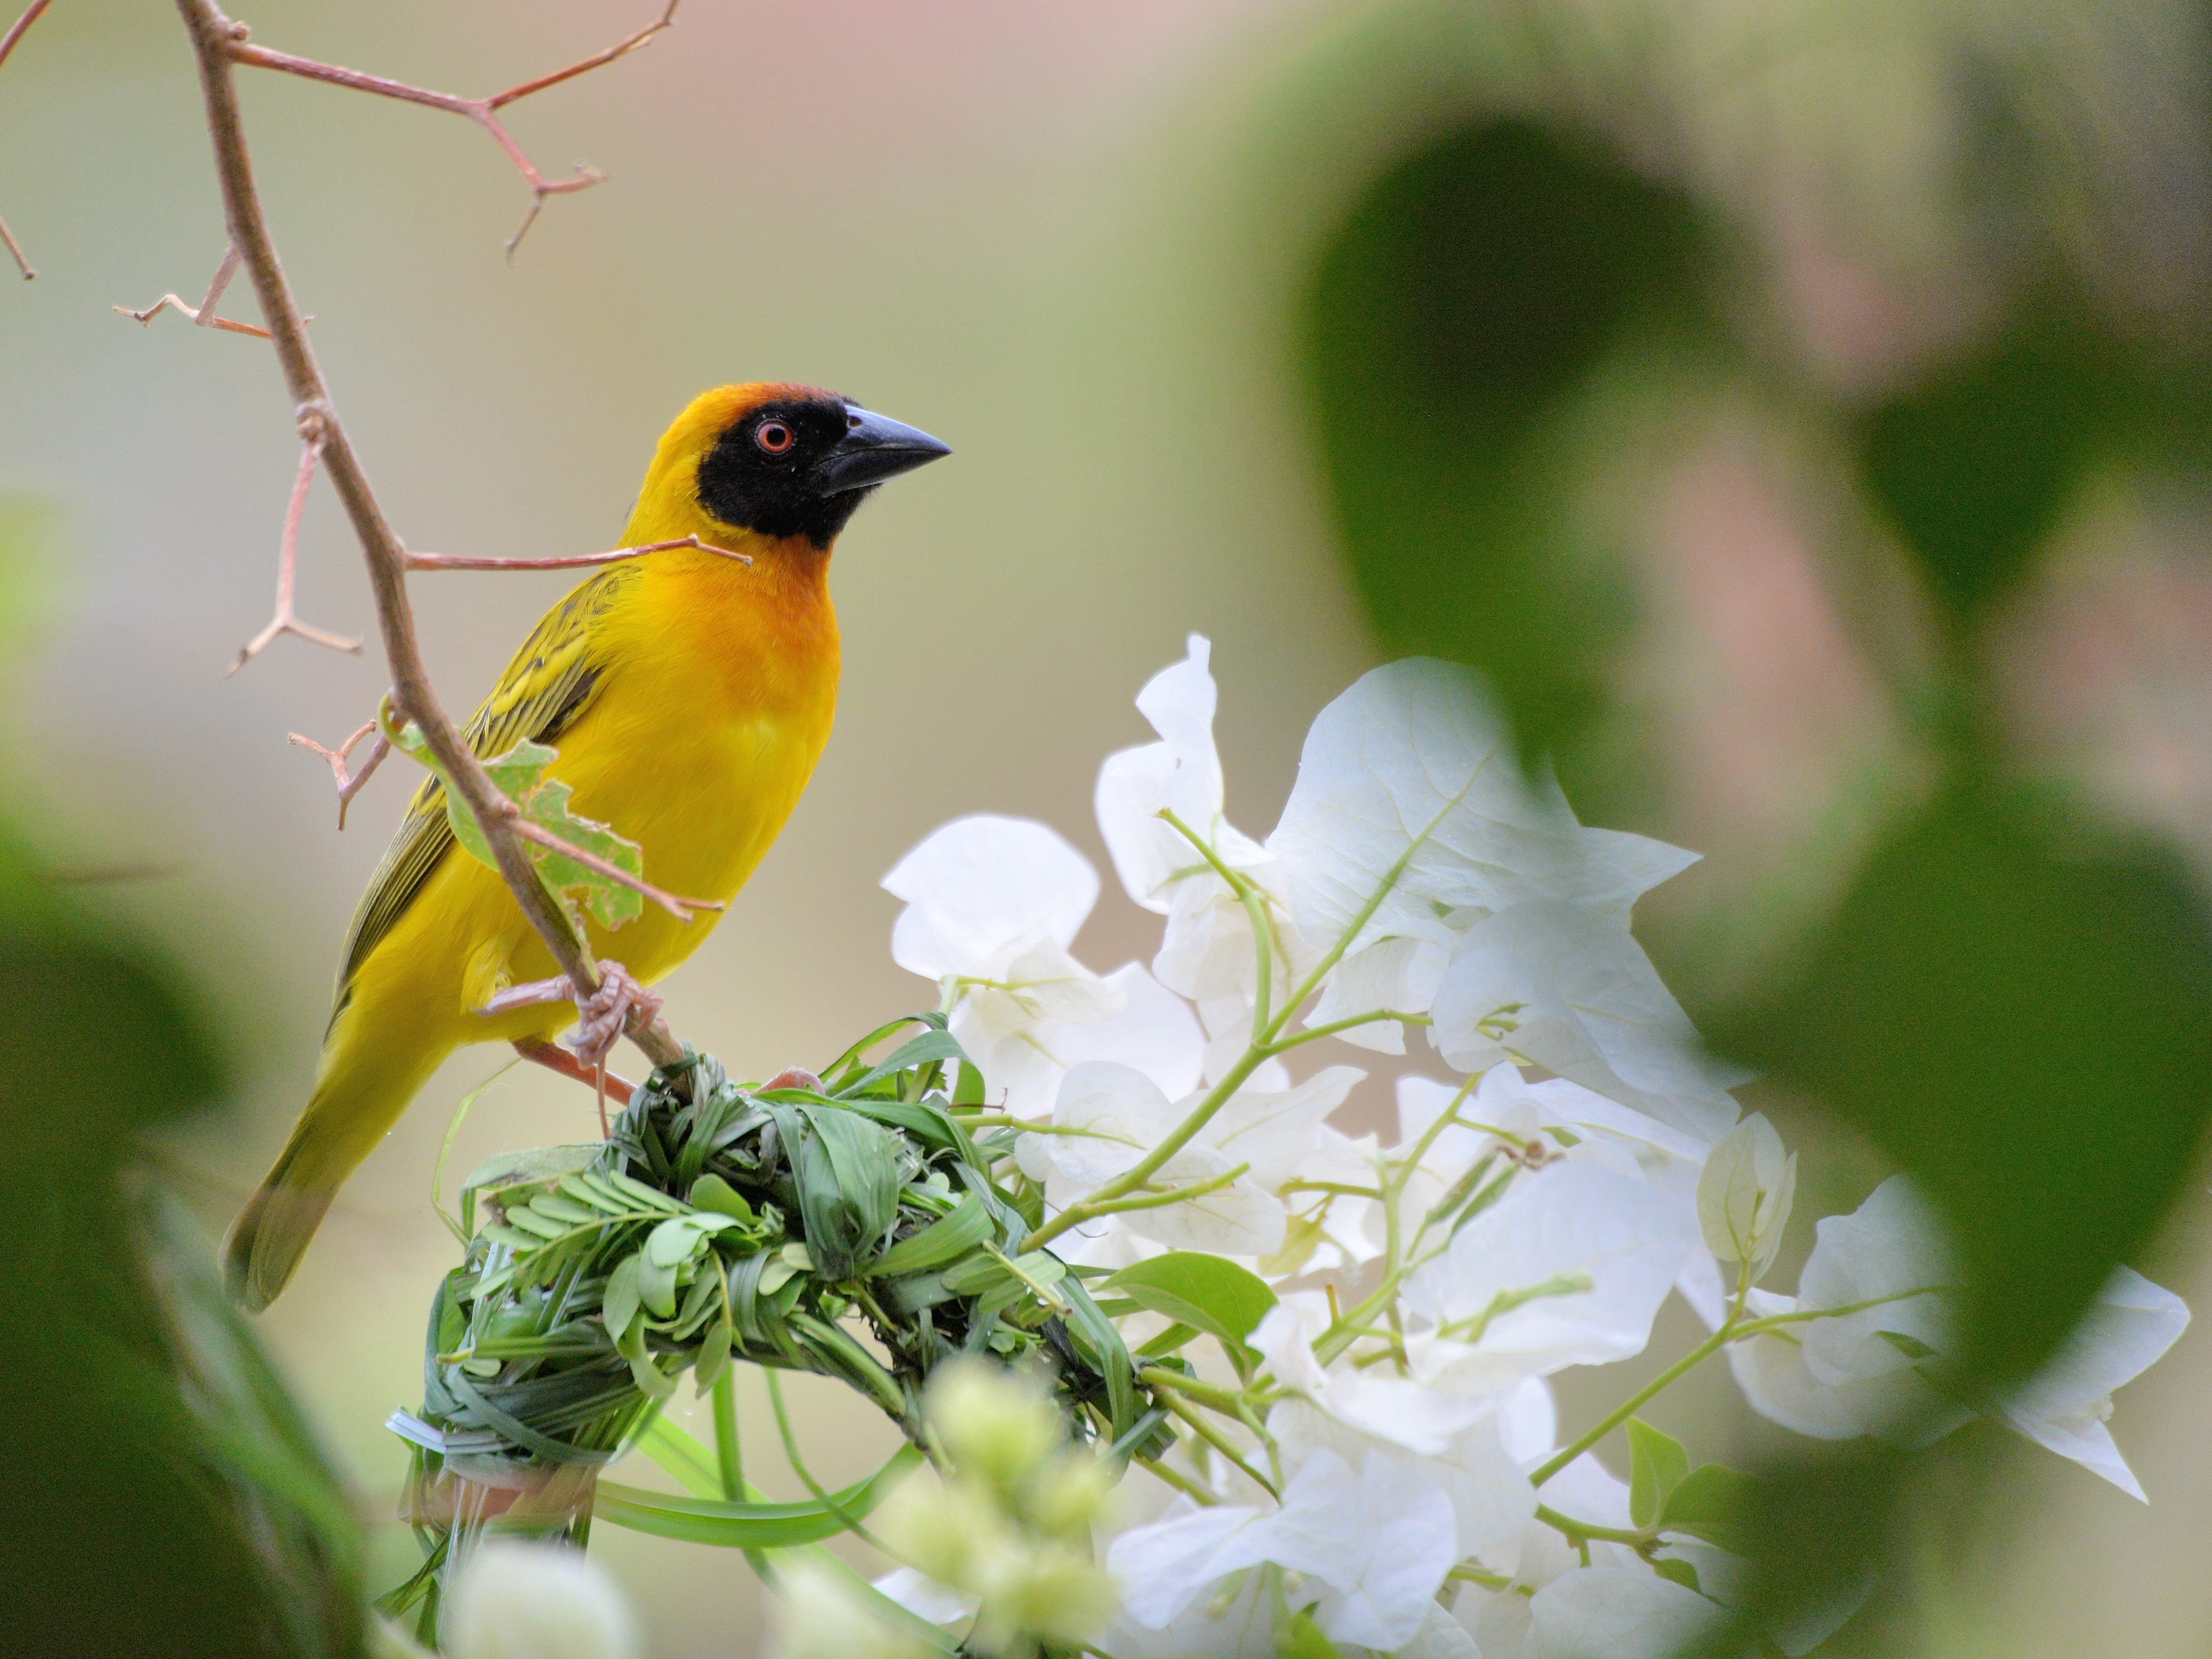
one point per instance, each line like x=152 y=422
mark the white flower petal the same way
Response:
x=1780 y=1386
x=2130 y=1326
x=981 y=889
x=1567 y=986
x=1382 y=1540
x=1617 y=1613
x=1890 y=1250
x=1568 y=1268
x=1274 y=1130
x=1164 y=1567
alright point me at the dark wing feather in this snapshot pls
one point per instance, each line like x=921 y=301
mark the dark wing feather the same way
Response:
x=551 y=681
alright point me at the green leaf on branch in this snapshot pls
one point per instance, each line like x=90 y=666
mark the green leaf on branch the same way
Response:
x=1206 y=1292
x=520 y=775
x=1657 y=1464
x=1712 y=1503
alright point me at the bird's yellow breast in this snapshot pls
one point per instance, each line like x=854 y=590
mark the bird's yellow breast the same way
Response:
x=717 y=688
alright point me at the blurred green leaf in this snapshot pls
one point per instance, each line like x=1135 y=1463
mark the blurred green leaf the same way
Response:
x=2018 y=1008
x=1712 y=1502
x=1460 y=310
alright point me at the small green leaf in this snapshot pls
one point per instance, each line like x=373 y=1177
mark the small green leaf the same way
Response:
x=656 y=1383
x=1301 y=1638
x=712 y=1193
x=1712 y=1503
x=713 y=1355
x=1681 y=1571
x=1911 y=1347
x=671 y=1243
x=656 y=1287
x=1206 y=1292
x=619 y=1303
x=1656 y=1464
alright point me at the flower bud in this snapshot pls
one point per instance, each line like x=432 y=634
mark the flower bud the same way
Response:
x=518 y=1600
x=820 y=1619
x=994 y=1426
x=1744 y=1194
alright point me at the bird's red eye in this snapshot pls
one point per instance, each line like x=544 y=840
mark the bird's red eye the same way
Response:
x=774 y=436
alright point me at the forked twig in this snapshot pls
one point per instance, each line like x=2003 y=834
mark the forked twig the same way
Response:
x=484 y=112
x=562 y=562
x=348 y=783
x=285 y=621
x=204 y=315
x=216 y=39
x=15 y=32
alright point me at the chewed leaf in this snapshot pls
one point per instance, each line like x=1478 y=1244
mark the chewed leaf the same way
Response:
x=520 y=775
x=609 y=902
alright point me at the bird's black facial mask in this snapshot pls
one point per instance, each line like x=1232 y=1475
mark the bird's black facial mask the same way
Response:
x=798 y=466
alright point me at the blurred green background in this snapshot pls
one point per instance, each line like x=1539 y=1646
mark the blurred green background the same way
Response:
x=1797 y=409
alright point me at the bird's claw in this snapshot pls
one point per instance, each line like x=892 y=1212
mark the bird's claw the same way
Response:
x=604 y=1016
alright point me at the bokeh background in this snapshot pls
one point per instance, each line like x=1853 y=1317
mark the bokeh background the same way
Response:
x=1796 y=409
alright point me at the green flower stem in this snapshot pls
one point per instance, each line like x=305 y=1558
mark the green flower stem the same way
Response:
x=1635 y=1402
x=1581 y=1532
x=1182 y=1484
x=1213 y=1437
x=1313 y=1034
x=1221 y=1400
x=1263 y=935
x=1121 y=1192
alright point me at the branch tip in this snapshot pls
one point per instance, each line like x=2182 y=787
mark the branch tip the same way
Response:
x=484 y=112
x=313 y=424
x=349 y=784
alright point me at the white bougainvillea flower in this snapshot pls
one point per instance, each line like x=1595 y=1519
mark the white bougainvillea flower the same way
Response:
x=1617 y=1613
x=1891 y=1251
x=1376 y=1543
x=993 y=904
x=1567 y=1268
x=1110 y=1115
x=1567 y=986
x=2064 y=1406
x=1859 y=1373
x=1466 y=1446
x=1207 y=952
x=1408 y=789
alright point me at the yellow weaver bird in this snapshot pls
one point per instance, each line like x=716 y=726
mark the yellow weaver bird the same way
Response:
x=689 y=695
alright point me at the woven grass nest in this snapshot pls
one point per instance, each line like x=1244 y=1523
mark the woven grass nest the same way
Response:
x=721 y=1221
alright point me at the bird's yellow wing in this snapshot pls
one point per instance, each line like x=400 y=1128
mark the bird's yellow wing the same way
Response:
x=551 y=681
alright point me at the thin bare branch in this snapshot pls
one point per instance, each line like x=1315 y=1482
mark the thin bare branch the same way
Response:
x=563 y=562
x=483 y=111
x=15 y=32
x=15 y=250
x=202 y=315
x=288 y=557
x=348 y=783
x=214 y=38
x=21 y=26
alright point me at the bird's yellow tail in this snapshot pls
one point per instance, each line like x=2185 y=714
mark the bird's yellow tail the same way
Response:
x=361 y=1090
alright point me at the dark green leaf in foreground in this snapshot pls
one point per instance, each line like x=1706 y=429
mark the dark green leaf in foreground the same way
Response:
x=2019 y=1012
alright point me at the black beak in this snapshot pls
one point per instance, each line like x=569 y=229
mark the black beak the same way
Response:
x=874 y=448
